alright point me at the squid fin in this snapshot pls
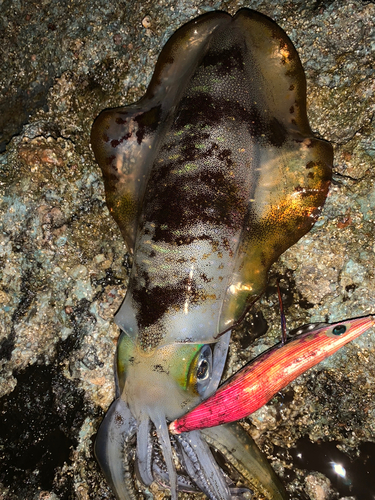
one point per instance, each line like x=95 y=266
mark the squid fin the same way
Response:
x=126 y=140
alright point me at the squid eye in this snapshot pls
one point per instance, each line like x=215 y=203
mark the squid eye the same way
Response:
x=201 y=370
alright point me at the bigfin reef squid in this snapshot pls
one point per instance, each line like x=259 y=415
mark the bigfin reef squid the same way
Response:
x=210 y=176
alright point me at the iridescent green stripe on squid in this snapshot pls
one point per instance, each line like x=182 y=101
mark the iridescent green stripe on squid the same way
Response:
x=184 y=363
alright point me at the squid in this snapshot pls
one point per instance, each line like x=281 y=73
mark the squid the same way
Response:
x=210 y=177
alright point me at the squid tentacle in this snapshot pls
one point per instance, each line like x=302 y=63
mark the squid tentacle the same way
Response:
x=202 y=467
x=112 y=447
x=165 y=443
x=187 y=485
x=236 y=444
x=144 y=451
x=184 y=483
x=194 y=470
x=241 y=494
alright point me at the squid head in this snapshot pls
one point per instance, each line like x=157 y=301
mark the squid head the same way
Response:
x=154 y=388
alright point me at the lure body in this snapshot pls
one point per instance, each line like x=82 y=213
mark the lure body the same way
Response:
x=258 y=381
x=210 y=177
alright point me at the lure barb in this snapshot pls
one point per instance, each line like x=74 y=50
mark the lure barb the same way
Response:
x=258 y=381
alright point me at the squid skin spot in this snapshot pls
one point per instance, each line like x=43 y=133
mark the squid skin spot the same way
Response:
x=311 y=164
x=110 y=159
x=105 y=137
x=166 y=297
x=150 y=119
x=310 y=175
x=294 y=121
x=140 y=134
x=204 y=278
x=291 y=87
x=120 y=121
x=169 y=60
x=291 y=110
x=290 y=72
x=276 y=133
x=115 y=143
x=160 y=369
x=118 y=418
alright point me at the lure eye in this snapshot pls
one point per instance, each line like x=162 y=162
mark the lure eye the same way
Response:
x=200 y=371
x=339 y=330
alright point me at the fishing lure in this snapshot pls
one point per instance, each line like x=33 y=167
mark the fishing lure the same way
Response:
x=258 y=381
x=210 y=176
